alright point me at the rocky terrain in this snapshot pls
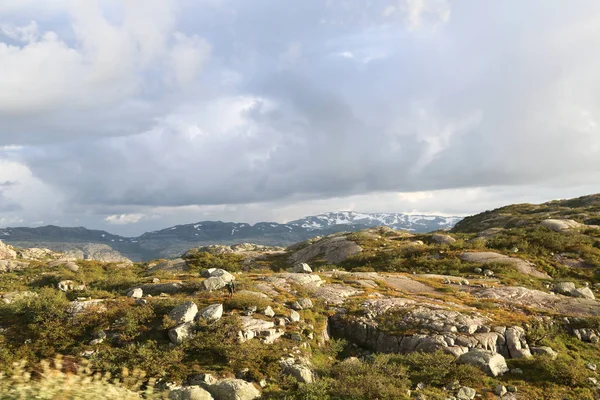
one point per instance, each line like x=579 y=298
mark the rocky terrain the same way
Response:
x=171 y=242
x=504 y=306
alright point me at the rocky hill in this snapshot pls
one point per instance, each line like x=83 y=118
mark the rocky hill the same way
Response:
x=585 y=209
x=173 y=241
x=497 y=309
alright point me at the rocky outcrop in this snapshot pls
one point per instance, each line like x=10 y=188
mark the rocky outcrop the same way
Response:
x=332 y=250
x=439 y=329
x=177 y=265
x=489 y=257
x=12 y=265
x=561 y=225
x=39 y=254
x=258 y=328
x=521 y=296
x=7 y=252
x=94 y=251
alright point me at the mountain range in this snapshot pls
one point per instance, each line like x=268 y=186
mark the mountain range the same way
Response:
x=173 y=241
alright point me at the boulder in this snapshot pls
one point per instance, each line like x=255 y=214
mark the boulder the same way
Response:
x=233 y=389
x=69 y=286
x=213 y=283
x=488 y=361
x=301 y=373
x=465 y=393
x=302 y=268
x=294 y=316
x=565 y=288
x=269 y=312
x=136 y=293
x=213 y=312
x=218 y=273
x=500 y=390
x=544 y=350
x=181 y=332
x=584 y=292
x=333 y=250
x=442 y=239
x=305 y=303
x=190 y=393
x=78 y=307
x=185 y=312
x=516 y=342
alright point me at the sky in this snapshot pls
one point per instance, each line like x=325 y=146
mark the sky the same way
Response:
x=135 y=115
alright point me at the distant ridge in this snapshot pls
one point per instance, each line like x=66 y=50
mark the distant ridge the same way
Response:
x=172 y=241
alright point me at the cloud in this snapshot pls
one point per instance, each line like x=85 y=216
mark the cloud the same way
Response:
x=124 y=219
x=115 y=117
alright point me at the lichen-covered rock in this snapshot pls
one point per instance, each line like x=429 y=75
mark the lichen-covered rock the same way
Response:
x=545 y=351
x=269 y=312
x=584 y=292
x=302 y=268
x=516 y=342
x=233 y=389
x=135 y=293
x=213 y=283
x=185 y=312
x=190 y=393
x=465 y=393
x=490 y=362
x=181 y=332
x=564 y=288
x=294 y=316
x=218 y=273
x=213 y=312
x=300 y=372
x=442 y=239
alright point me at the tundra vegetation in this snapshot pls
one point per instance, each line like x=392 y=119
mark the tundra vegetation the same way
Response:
x=503 y=306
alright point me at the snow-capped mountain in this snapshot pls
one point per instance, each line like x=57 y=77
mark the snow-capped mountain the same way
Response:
x=416 y=223
x=175 y=240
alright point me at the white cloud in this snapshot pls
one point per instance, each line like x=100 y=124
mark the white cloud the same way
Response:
x=104 y=62
x=124 y=219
